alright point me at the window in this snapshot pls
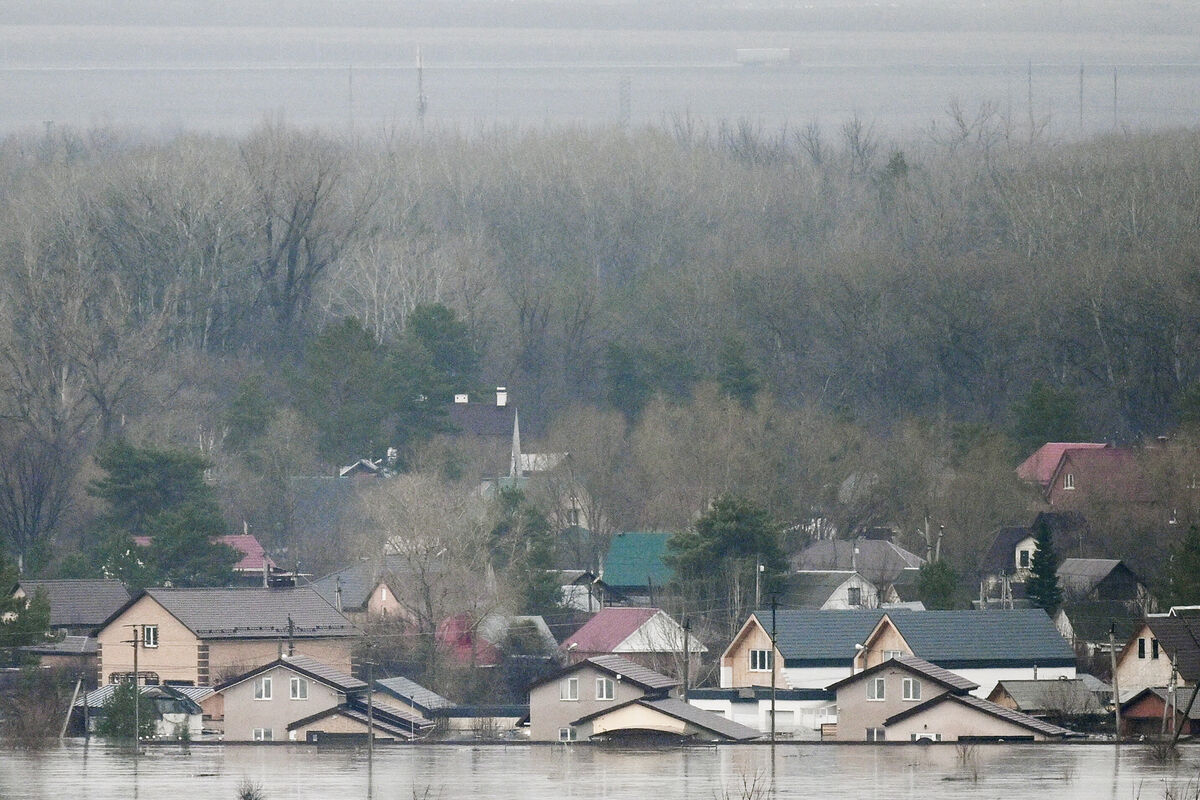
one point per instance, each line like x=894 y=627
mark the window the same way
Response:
x=854 y=596
x=761 y=660
x=568 y=689
x=892 y=654
x=1069 y=481
x=911 y=689
x=1141 y=648
x=925 y=737
x=573 y=518
x=1023 y=559
x=876 y=735
x=875 y=689
x=1154 y=648
x=299 y=688
x=606 y=689
x=149 y=636
x=567 y=734
x=264 y=735
x=262 y=689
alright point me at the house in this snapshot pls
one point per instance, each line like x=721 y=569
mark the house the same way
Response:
x=202 y=636
x=1099 y=595
x=1141 y=663
x=647 y=636
x=486 y=434
x=1109 y=475
x=365 y=591
x=1006 y=564
x=832 y=589
x=812 y=648
x=1156 y=710
x=585 y=687
x=302 y=699
x=486 y=642
x=984 y=647
x=77 y=606
x=800 y=714
x=1059 y=698
x=1039 y=468
x=908 y=699
x=253 y=568
x=583 y=590
x=76 y=653
x=177 y=712
x=875 y=556
x=635 y=565
x=659 y=718
x=411 y=695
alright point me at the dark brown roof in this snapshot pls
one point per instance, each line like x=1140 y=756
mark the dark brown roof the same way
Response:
x=309 y=667
x=79 y=603
x=987 y=707
x=919 y=666
x=1180 y=637
x=673 y=707
x=618 y=667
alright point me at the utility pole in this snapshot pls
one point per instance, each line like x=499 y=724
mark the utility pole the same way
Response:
x=687 y=655
x=1112 y=655
x=370 y=722
x=774 y=650
x=137 y=692
x=758 y=569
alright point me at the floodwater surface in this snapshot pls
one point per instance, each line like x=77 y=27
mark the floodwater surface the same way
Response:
x=526 y=772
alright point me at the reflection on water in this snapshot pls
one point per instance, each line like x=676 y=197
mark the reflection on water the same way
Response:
x=525 y=772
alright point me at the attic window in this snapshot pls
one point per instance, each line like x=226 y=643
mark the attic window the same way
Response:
x=854 y=596
x=1069 y=481
x=760 y=660
x=1023 y=559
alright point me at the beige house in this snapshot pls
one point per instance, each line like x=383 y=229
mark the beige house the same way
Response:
x=580 y=690
x=299 y=698
x=660 y=718
x=1142 y=664
x=908 y=699
x=200 y=637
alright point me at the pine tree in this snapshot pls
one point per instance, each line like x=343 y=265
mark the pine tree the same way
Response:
x=1183 y=570
x=1042 y=586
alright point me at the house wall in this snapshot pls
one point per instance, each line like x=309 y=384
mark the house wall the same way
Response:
x=855 y=713
x=243 y=713
x=229 y=658
x=383 y=603
x=882 y=641
x=175 y=658
x=953 y=721
x=989 y=677
x=1145 y=717
x=795 y=719
x=547 y=713
x=815 y=677
x=839 y=600
x=735 y=663
x=1135 y=674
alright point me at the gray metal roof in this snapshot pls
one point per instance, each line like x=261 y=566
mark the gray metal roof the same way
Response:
x=701 y=718
x=878 y=560
x=413 y=692
x=254 y=613
x=98 y=697
x=1078 y=576
x=310 y=667
x=918 y=666
x=811 y=637
x=1180 y=637
x=813 y=588
x=987 y=707
x=79 y=603
x=617 y=666
x=1070 y=696
x=69 y=646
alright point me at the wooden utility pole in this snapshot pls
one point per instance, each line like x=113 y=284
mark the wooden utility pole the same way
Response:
x=774 y=649
x=370 y=725
x=687 y=653
x=1112 y=655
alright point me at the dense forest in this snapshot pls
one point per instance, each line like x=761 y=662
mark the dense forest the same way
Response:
x=688 y=311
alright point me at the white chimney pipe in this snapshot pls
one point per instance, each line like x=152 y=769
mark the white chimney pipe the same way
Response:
x=461 y=398
x=501 y=397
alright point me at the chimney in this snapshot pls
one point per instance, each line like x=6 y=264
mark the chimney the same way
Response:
x=337 y=594
x=501 y=397
x=461 y=398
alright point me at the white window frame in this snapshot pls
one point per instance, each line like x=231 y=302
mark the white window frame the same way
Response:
x=298 y=688
x=854 y=595
x=263 y=735
x=876 y=735
x=1069 y=481
x=877 y=689
x=606 y=689
x=150 y=636
x=568 y=734
x=568 y=689
x=757 y=657
x=910 y=689
x=262 y=688
x=892 y=654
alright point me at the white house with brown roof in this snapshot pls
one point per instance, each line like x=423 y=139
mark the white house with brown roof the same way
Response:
x=201 y=636
x=647 y=636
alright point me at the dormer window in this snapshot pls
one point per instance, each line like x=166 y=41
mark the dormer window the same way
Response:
x=1023 y=557
x=1069 y=481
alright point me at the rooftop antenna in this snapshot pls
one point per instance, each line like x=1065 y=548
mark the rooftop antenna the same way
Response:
x=422 y=100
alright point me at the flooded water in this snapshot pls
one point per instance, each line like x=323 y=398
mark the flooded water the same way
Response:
x=228 y=79
x=524 y=772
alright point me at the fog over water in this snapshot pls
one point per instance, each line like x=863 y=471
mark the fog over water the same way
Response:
x=1070 y=68
x=525 y=772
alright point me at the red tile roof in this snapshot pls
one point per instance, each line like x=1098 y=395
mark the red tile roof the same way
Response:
x=608 y=629
x=1113 y=472
x=253 y=554
x=1039 y=467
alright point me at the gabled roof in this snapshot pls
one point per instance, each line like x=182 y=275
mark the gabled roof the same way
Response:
x=608 y=628
x=254 y=557
x=1079 y=576
x=482 y=419
x=819 y=638
x=987 y=707
x=678 y=709
x=1113 y=472
x=877 y=560
x=249 y=613
x=618 y=667
x=69 y=646
x=308 y=667
x=813 y=588
x=357 y=581
x=1000 y=557
x=413 y=693
x=1070 y=695
x=97 y=698
x=79 y=603
x=1183 y=696
x=1180 y=637
x=977 y=639
x=635 y=559
x=386 y=718
x=1039 y=467
x=918 y=666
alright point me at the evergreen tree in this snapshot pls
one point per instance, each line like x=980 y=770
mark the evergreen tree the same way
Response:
x=125 y=707
x=23 y=620
x=937 y=585
x=522 y=548
x=1042 y=587
x=1183 y=570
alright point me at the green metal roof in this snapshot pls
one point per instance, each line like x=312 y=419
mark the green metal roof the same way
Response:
x=635 y=558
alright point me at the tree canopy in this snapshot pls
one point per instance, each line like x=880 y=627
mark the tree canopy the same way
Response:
x=1042 y=586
